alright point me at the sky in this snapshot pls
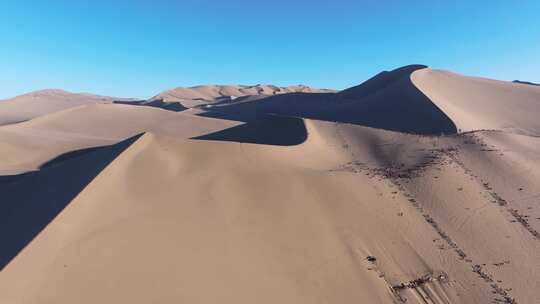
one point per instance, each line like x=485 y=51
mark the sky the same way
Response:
x=139 y=48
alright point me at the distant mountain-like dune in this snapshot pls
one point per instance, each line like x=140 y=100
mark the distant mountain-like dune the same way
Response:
x=199 y=95
x=31 y=105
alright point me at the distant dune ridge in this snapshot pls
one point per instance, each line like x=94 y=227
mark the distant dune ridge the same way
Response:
x=416 y=186
x=32 y=105
x=198 y=95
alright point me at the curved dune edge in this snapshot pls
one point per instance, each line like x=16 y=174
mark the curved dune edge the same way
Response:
x=482 y=104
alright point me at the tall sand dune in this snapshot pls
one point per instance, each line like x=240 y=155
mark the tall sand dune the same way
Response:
x=388 y=101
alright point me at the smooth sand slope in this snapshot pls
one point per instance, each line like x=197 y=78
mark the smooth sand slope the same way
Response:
x=289 y=224
x=362 y=202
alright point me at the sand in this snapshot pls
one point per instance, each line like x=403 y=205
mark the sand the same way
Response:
x=250 y=205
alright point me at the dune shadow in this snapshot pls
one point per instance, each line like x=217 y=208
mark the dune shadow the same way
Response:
x=158 y=103
x=30 y=201
x=70 y=155
x=527 y=83
x=6 y=179
x=6 y=122
x=267 y=130
x=387 y=101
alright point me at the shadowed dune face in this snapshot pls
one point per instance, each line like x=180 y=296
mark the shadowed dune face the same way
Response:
x=71 y=155
x=388 y=101
x=32 y=200
x=157 y=103
x=269 y=130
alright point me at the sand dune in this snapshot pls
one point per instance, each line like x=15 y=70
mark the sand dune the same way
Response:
x=412 y=99
x=388 y=101
x=417 y=186
x=307 y=242
x=298 y=244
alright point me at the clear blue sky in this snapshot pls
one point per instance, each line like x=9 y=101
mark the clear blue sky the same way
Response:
x=139 y=48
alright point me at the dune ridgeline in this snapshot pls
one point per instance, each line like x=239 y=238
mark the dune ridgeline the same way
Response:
x=416 y=186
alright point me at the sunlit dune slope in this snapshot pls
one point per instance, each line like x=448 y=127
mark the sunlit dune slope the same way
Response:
x=477 y=103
